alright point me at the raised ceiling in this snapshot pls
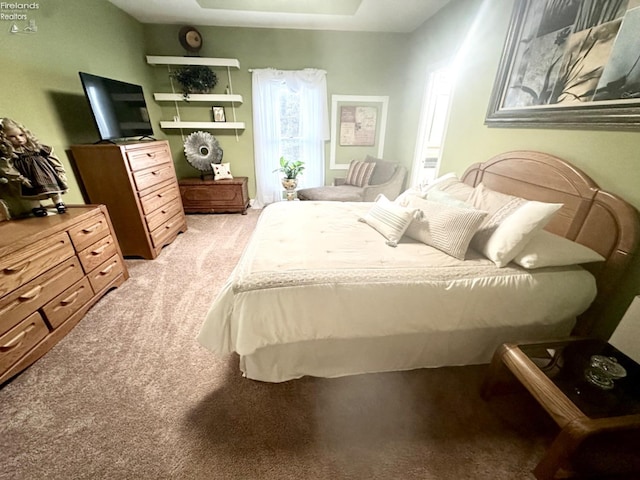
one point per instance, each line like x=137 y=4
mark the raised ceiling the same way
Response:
x=349 y=15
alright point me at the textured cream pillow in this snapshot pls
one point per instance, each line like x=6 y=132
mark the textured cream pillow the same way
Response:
x=359 y=173
x=549 y=250
x=441 y=196
x=403 y=198
x=448 y=228
x=221 y=171
x=511 y=223
x=425 y=187
x=389 y=218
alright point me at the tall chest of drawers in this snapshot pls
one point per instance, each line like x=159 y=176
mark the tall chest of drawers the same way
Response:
x=52 y=270
x=137 y=183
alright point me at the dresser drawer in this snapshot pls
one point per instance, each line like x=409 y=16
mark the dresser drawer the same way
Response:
x=97 y=253
x=20 y=339
x=107 y=271
x=163 y=214
x=160 y=235
x=150 y=156
x=89 y=231
x=23 y=266
x=157 y=199
x=67 y=303
x=153 y=176
x=30 y=297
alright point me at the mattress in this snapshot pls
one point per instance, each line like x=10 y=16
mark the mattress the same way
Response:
x=313 y=277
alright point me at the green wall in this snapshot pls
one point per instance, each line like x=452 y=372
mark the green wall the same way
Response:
x=40 y=82
x=42 y=90
x=609 y=157
x=356 y=64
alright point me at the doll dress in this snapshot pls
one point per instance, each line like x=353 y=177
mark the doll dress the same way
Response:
x=39 y=168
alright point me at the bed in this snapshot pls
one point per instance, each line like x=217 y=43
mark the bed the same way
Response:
x=319 y=293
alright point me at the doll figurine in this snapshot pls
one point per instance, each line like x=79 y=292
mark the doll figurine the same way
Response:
x=24 y=160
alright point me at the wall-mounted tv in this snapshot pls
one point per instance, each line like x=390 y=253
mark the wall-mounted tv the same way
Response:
x=119 y=109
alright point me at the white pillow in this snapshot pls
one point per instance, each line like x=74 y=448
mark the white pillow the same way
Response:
x=425 y=187
x=448 y=228
x=403 y=198
x=221 y=171
x=441 y=196
x=549 y=250
x=510 y=225
x=389 y=219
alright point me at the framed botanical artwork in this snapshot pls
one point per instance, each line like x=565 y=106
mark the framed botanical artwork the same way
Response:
x=358 y=128
x=568 y=63
x=218 y=114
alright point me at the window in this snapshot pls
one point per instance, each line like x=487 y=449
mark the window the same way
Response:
x=290 y=119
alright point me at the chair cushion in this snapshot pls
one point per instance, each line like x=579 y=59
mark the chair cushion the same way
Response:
x=359 y=173
x=383 y=172
x=341 y=193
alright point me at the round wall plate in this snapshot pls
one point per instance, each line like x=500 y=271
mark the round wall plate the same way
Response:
x=190 y=38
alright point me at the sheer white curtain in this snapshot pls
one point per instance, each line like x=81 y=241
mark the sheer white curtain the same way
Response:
x=310 y=85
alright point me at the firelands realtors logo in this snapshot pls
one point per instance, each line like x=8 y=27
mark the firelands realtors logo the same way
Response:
x=19 y=16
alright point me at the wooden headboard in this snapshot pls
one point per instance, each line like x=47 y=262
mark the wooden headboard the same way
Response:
x=590 y=216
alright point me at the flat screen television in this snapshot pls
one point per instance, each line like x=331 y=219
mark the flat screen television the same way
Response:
x=118 y=108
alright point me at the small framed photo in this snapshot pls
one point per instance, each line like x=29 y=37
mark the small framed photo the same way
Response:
x=218 y=114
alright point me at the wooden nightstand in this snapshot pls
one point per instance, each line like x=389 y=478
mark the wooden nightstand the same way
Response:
x=215 y=196
x=555 y=374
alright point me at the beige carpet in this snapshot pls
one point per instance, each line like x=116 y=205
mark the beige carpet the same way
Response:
x=130 y=394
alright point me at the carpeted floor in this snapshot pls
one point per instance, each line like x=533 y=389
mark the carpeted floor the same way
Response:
x=130 y=394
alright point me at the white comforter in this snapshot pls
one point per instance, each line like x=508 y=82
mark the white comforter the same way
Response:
x=311 y=271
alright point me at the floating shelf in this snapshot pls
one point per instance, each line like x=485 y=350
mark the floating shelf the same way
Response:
x=211 y=62
x=198 y=97
x=204 y=125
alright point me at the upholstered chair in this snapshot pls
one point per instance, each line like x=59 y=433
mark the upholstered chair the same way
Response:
x=386 y=177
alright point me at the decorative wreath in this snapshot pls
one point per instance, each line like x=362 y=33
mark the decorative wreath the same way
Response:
x=201 y=150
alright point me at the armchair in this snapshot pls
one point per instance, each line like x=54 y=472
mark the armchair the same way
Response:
x=388 y=178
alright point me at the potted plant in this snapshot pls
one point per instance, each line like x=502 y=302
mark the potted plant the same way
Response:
x=195 y=79
x=291 y=171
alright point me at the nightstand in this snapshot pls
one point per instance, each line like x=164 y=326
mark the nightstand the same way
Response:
x=215 y=196
x=556 y=374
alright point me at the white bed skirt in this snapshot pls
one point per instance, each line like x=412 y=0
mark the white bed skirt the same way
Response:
x=341 y=357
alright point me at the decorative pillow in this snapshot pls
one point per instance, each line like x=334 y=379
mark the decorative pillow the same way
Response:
x=403 y=198
x=389 y=219
x=549 y=250
x=359 y=173
x=448 y=228
x=425 y=187
x=510 y=225
x=440 y=196
x=453 y=186
x=221 y=171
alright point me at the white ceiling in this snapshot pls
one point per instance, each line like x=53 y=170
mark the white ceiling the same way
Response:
x=349 y=15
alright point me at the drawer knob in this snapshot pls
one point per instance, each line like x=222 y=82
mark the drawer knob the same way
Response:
x=151 y=155
x=91 y=229
x=70 y=299
x=100 y=250
x=17 y=340
x=107 y=269
x=17 y=269
x=31 y=294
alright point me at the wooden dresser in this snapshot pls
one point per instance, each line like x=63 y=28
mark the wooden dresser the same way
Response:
x=215 y=196
x=52 y=270
x=137 y=182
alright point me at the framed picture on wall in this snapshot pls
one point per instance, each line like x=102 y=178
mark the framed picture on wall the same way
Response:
x=569 y=64
x=358 y=128
x=218 y=114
